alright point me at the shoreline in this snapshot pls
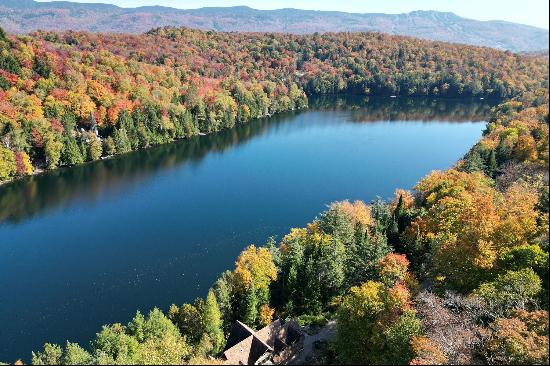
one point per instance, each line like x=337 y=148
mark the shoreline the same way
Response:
x=42 y=170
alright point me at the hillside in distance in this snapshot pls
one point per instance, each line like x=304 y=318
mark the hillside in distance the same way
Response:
x=70 y=97
x=23 y=16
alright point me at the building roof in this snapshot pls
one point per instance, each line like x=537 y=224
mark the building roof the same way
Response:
x=239 y=332
x=245 y=346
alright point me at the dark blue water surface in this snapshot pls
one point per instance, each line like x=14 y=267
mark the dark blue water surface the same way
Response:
x=89 y=245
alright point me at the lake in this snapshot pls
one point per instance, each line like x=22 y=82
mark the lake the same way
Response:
x=89 y=245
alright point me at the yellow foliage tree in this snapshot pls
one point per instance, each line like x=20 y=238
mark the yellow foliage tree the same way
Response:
x=406 y=197
x=7 y=163
x=359 y=212
x=23 y=163
x=518 y=216
x=266 y=314
x=255 y=267
x=459 y=226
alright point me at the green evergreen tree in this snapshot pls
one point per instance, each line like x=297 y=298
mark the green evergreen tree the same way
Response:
x=492 y=164
x=474 y=162
x=189 y=319
x=94 y=148
x=53 y=150
x=4 y=84
x=71 y=154
x=83 y=145
x=144 y=136
x=311 y=289
x=338 y=224
x=223 y=290
x=3 y=36
x=399 y=209
x=398 y=224
x=393 y=232
x=190 y=127
x=51 y=355
x=382 y=215
x=503 y=154
x=212 y=318
x=69 y=122
x=200 y=115
x=126 y=121
x=9 y=63
x=363 y=257
x=109 y=146
x=93 y=124
x=41 y=67
x=249 y=307
x=121 y=140
x=75 y=355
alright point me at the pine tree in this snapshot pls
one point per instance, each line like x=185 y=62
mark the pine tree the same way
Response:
x=126 y=121
x=365 y=254
x=223 y=289
x=71 y=151
x=393 y=232
x=492 y=164
x=213 y=322
x=399 y=209
x=69 y=122
x=94 y=148
x=109 y=146
x=83 y=145
x=122 y=142
x=397 y=226
x=474 y=162
x=4 y=84
x=3 y=36
x=249 y=307
x=382 y=216
x=312 y=289
x=93 y=124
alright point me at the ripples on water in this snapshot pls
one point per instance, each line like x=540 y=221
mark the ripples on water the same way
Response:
x=88 y=245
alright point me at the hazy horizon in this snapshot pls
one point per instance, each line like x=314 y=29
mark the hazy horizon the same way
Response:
x=528 y=12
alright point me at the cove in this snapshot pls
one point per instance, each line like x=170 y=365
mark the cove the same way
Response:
x=89 y=245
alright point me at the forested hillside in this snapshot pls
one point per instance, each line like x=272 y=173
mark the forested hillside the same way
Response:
x=71 y=97
x=23 y=16
x=454 y=272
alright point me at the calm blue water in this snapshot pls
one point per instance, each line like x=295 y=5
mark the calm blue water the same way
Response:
x=89 y=245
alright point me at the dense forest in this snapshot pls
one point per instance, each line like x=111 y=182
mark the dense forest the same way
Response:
x=71 y=97
x=28 y=198
x=24 y=16
x=453 y=272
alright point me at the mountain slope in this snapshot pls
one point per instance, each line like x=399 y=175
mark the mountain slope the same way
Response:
x=22 y=16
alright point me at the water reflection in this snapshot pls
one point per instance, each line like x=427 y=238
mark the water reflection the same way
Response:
x=376 y=109
x=87 y=246
x=35 y=195
x=32 y=195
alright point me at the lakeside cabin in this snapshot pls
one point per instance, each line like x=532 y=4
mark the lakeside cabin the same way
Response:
x=273 y=344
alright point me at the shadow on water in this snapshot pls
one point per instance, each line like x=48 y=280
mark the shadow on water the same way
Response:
x=381 y=109
x=35 y=195
x=32 y=195
x=88 y=245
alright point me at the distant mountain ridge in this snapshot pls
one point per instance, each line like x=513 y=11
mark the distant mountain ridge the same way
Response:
x=23 y=16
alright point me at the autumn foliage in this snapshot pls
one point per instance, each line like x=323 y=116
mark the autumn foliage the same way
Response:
x=471 y=242
x=135 y=91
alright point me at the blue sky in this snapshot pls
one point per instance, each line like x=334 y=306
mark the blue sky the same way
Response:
x=532 y=12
